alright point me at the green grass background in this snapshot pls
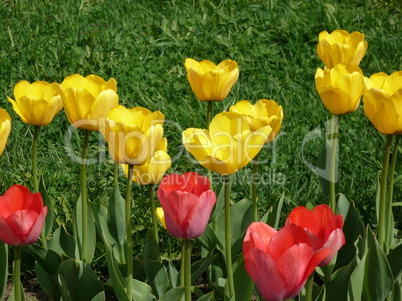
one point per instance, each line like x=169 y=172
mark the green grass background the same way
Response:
x=143 y=45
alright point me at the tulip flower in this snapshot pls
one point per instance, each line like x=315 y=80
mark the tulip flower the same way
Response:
x=323 y=227
x=133 y=134
x=341 y=47
x=340 y=88
x=87 y=100
x=382 y=102
x=37 y=103
x=264 y=112
x=5 y=129
x=228 y=145
x=187 y=202
x=152 y=171
x=22 y=216
x=211 y=82
x=279 y=262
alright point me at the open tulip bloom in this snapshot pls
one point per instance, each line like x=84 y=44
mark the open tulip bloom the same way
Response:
x=5 y=129
x=228 y=145
x=341 y=47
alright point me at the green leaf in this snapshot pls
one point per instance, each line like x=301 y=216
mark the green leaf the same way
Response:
x=62 y=242
x=78 y=228
x=142 y=291
x=48 y=203
x=3 y=267
x=116 y=214
x=220 y=200
x=79 y=282
x=397 y=292
x=173 y=275
x=395 y=261
x=174 y=294
x=209 y=240
x=243 y=284
x=12 y=295
x=342 y=205
x=275 y=214
x=206 y=297
x=337 y=287
x=323 y=164
x=200 y=266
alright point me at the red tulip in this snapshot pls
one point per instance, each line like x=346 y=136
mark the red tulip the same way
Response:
x=187 y=202
x=22 y=216
x=279 y=262
x=323 y=227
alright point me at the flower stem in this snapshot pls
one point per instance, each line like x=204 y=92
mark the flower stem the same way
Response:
x=153 y=214
x=228 y=238
x=390 y=227
x=254 y=178
x=209 y=114
x=187 y=268
x=129 y=237
x=182 y=266
x=309 y=287
x=17 y=273
x=382 y=216
x=116 y=174
x=332 y=176
x=34 y=158
x=84 y=196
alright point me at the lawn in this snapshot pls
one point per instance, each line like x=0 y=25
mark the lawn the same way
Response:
x=143 y=45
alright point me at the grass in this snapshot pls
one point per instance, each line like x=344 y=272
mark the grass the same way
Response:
x=143 y=45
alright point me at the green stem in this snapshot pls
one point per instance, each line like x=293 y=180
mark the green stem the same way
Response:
x=209 y=114
x=116 y=174
x=309 y=287
x=153 y=214
x=17 y=273
x=84 y=196
x=254 y=178
x=228 y=238
x=332 y=176
x=182 y=266
x=129 y=237
x=382 y=215
x=187 y=268
x=34 y=158
x=390 y=228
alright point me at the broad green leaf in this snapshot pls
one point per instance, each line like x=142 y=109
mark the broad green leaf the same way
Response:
x=342 y=205
x=116 y=216
x=174 y=294
x=78 y=228
x=220 y=200
x=48 y=203
x=3 y=267
x=62 y=242
x=395 y=261
x=275 y=215
x=324 y=163
x=337 y=287
x=397 y=292
x=201 y=266
x=209 y=240
x=243 y=284
x=12 y=295
x=142 y=291
x=206 y=297
x=173 y=275
x=79 y=282
x=355 y=288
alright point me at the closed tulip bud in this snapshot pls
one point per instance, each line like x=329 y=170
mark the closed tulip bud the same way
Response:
x=264 y=112
x=152 y=171
x=88 y=100
x=187 y=203
x=279 y=262
x=323 y=227
x=228 y=145
x=382 y=102
x=160 y=214
x=341 y=47
x=5 y=129
x=22 y=216
x=211 y=82
x=37 y=103
x=340 y=88
x=133 y=135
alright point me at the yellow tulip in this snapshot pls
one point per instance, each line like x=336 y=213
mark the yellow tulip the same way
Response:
x=160 y=214
x=228 y=145
x=264 y=112
x=341 y=47
x=88 y=100
x=133 y=135
x=383 y=102
x=152 y=171
x=340 y=88
x=37 y=103
x=211 y=82
x=5 y=129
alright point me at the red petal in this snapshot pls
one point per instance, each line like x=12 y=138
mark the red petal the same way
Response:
x=36 y=229
x=258 y=236
x=288 y=236
x=198 y=182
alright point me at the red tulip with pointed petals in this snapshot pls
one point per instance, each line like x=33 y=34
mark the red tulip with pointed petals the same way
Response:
x=187 y=202
x=22 y=216
x=323 y=227
x=279 y=262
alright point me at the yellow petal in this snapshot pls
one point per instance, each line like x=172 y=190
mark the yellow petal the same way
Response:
x=5 y=129
x=102 y=105
x=161 y=216
x=77 y=105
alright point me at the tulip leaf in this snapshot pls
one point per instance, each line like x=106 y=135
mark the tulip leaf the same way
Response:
x=323 y=165
x=62 y=242
x=142 y=291
x=275 y=214
x=395 y=261
x=91 y=232
x=174 y=294
x=74 y=275
x=12 y=295
x=173 y=275
x=206 y=297
x=337 y=287
x=243 y=284
x=3 y=267
x=48 y=227
x=220 y=200
x=200 y=266
x=116 y=214
x=46 y=266
x=209 y=240
x=397 y=292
